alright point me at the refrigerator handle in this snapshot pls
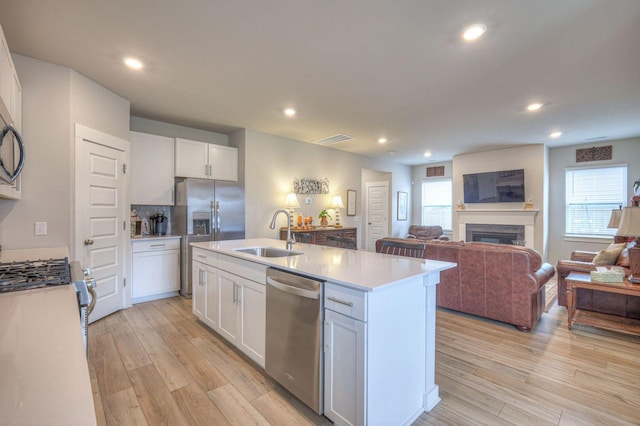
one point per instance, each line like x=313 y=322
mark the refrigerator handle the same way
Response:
x=214 y=220
x=218 y=220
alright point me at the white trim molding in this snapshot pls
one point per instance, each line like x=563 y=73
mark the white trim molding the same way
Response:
x=525 y=217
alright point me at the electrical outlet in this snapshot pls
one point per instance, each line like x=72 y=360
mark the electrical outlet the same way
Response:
x=307 y=200
x=41 y=228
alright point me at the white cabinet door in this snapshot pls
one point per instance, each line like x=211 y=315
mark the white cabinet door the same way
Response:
x=155 y=272
x=152 y=169
x=6 y=71
x=192 y=159
x=212 y=311
x=253 y=317
x=198 y=291
x=344 y=364
x=206 y=161
x=229 y=289
x=223 y=162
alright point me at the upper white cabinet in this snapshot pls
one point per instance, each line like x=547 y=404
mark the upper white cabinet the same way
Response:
x=206 y=161
x=152 y=162
x=11 y=96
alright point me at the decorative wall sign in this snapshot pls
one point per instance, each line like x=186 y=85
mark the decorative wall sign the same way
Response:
x=435 y=171
x=403 y=205
x=351 y=202
x=597 y=153
x=311 y=186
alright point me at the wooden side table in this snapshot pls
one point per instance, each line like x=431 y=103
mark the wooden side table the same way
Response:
x=577 y=280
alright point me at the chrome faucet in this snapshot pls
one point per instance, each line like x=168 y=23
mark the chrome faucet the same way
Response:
x=290 y=239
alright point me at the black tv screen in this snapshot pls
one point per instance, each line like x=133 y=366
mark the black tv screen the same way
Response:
x=494 y=187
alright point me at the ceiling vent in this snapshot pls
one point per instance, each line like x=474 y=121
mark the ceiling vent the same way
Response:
x=333 y=139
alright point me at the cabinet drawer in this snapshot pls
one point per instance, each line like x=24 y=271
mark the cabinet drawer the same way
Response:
x=159 y=244
x=346 y=301
x=205 y=256
x=243 y=268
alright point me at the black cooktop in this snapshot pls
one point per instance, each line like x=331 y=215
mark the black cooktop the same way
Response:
x=30 y=274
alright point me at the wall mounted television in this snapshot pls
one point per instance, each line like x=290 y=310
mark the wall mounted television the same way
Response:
x=506 y=186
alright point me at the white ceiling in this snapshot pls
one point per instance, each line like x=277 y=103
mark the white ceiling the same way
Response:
x=365 y=68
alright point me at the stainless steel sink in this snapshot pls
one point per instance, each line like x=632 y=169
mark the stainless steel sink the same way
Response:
x=268 y=251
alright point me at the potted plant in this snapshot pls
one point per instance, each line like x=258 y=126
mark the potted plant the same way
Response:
x=323 y=217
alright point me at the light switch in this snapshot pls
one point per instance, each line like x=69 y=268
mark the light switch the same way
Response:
x=307 y=200
x=41 y=228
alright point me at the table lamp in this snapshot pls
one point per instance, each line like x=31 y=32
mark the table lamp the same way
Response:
x=291 y=203
x=614 y=220
x=630 y=227
x=337 y=205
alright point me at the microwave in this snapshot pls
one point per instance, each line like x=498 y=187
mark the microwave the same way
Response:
x=11 y=148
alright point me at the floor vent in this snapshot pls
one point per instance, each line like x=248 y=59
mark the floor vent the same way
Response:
x=333 y=139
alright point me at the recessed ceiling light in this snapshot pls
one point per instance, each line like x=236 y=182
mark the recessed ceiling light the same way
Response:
x=534 y=107
x=289 y=112
x=555 y=135
x=427 y=154
x=474 y=32
x=133 y=63
x=382 y=140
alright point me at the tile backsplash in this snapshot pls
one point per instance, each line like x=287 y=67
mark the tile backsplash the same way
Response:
x=144 y=212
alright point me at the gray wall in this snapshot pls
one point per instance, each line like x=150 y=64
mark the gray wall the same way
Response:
x=419 y=175
x=625 y=151
x=53 y=99
x=169 y=130
x=531 y=158
x=272 y=162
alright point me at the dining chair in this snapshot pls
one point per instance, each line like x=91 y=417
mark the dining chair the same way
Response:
x=401 y=248
x=342 y=242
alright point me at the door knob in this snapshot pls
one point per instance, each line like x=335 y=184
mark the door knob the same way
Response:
x=88 y=242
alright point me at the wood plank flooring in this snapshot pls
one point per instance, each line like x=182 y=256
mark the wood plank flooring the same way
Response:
x=156 y=364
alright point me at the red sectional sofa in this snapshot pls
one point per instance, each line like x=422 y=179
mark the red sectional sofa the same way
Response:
x=496 y=281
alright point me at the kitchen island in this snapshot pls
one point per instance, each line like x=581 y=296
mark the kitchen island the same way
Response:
x=379 y=322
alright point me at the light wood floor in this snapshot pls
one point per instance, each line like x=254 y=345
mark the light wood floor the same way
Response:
x=156 y=364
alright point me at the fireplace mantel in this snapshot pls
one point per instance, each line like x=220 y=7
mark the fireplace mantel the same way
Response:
x=526 y=217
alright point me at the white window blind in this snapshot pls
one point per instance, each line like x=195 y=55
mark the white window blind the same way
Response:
x=436 y=203
x=590 y=195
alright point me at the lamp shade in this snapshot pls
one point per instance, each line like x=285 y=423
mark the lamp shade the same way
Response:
x=337 y=202
x=630 y=222
x=614 y=220
x=292 y=201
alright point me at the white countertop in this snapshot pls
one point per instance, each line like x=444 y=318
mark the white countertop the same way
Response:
x=354 y=268
x=44 y=377
x=154 y=237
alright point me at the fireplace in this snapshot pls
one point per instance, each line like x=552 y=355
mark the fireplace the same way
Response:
x=520 y=218
x=498 y=234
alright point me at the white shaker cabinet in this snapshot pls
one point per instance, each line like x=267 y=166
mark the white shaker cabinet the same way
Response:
x=155 y=269
x=11 y=96
x=152 y=169
x=206 y=161
x=229 y=295
x=344 y=355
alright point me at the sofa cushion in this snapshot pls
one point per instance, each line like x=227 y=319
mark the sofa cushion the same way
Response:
x=610 y=255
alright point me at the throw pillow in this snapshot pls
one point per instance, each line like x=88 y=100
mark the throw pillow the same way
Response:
x=623 y=259
x=610 y=255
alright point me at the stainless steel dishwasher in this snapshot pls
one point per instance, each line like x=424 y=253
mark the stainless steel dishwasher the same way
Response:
x=294 y=351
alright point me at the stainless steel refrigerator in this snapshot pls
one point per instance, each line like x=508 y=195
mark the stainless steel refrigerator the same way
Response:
x=206 y=210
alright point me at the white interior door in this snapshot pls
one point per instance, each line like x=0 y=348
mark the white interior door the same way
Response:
x=377 y=213
x=101 y=238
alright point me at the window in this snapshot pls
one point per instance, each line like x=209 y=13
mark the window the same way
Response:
x=436 y=203
x=590 y=195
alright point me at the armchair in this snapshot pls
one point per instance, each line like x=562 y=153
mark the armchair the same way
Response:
x=608 y=303
x=426 y=233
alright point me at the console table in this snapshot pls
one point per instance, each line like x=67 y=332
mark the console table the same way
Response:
x=319 y=233
x=577 y=280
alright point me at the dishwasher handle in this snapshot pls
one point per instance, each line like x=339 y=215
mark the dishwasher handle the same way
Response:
x=309 y=294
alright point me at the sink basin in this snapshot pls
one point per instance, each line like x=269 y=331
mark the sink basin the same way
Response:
x=268 y=251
